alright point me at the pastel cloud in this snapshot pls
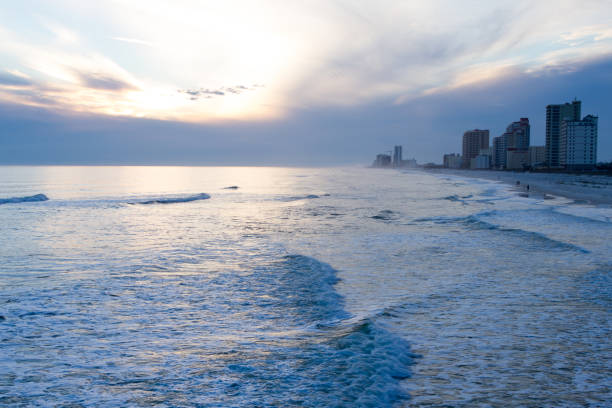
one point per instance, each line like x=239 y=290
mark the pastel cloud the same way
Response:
x=133 y=41
x=309 y=54
x=10 y=79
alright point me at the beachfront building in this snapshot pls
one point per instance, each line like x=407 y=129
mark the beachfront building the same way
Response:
x=488 y=152
x=481 y=162
x=517 y=159
x=518 y=134
x=513 y=145
x=382 y=160
x=499 y=152
x=578 y=143
x=452 y=161
x=473 y=141
x=409 y=164
x=397 y=156
x=537 y=156
x=555 y=115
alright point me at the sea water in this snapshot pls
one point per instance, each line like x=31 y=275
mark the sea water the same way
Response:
x=160 y=286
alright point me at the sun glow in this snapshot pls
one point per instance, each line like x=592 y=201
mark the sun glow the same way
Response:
x=203 y=61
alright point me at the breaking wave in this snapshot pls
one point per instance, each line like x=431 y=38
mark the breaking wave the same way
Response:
x=339 y=361
x=304 y=197
x=474 y=222
x=385 y=215
x=455 y=197
x=304 y=287
x=174 y=200
x=458 y=199
x=361 y=365
x=27 y=199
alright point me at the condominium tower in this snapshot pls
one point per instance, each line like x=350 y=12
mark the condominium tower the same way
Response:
x=555 y=115
x=397 y=156
x=578 y=144
x=510 y=150
x=473 y=141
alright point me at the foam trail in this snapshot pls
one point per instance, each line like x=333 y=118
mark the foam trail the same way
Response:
x=304 y=197
x=339 y=360
x=174 y=200
x=385 y=215
x=27 y=199
x=361 y=365
x=475 y=222
x=305 y=289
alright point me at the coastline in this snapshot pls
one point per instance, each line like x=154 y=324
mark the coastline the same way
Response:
x=582 y=189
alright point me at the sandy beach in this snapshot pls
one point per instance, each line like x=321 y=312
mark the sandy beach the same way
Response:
x=583 y=189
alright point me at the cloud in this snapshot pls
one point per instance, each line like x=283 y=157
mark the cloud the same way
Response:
x=198 y=93
x=133 y=41
x=104 y=82
x=61 y=33
x=427 y=127
x=402 y=52
x=314 y=54
x=10 y=79
x=34 y=97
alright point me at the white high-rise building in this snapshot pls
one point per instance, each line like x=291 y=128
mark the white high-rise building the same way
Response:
x=578 y=142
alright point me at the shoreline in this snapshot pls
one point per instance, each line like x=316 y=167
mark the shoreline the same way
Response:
x=581 y=189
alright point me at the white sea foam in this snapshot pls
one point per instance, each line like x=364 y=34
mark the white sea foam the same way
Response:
x=603 y=214
x=505 y=299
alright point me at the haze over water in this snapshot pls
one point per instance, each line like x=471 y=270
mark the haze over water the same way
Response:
x=303 y=287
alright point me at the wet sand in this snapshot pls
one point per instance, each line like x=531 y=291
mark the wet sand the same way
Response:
x=583 y=189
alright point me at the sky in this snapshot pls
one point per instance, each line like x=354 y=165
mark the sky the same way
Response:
x=289 y=82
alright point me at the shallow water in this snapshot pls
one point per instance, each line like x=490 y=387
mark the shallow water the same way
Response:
x=302 y=287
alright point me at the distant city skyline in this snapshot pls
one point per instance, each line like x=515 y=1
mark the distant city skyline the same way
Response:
x=571 y=144
x=286 y=83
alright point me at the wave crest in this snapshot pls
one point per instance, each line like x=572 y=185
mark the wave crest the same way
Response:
x=303 y=197
x=174 y=200
x=26 y=199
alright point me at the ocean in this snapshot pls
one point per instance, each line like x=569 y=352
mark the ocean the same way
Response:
x=314 y=287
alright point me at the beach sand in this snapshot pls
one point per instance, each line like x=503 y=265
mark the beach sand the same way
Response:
x=583 y=189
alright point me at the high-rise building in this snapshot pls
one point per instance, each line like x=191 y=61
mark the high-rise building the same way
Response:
x=397 y=156
x=515 y=139
x=519 y=134
x=578 y=143
x=517 y=144
x=555 y=114
x=499 y=152
x=473 y=141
